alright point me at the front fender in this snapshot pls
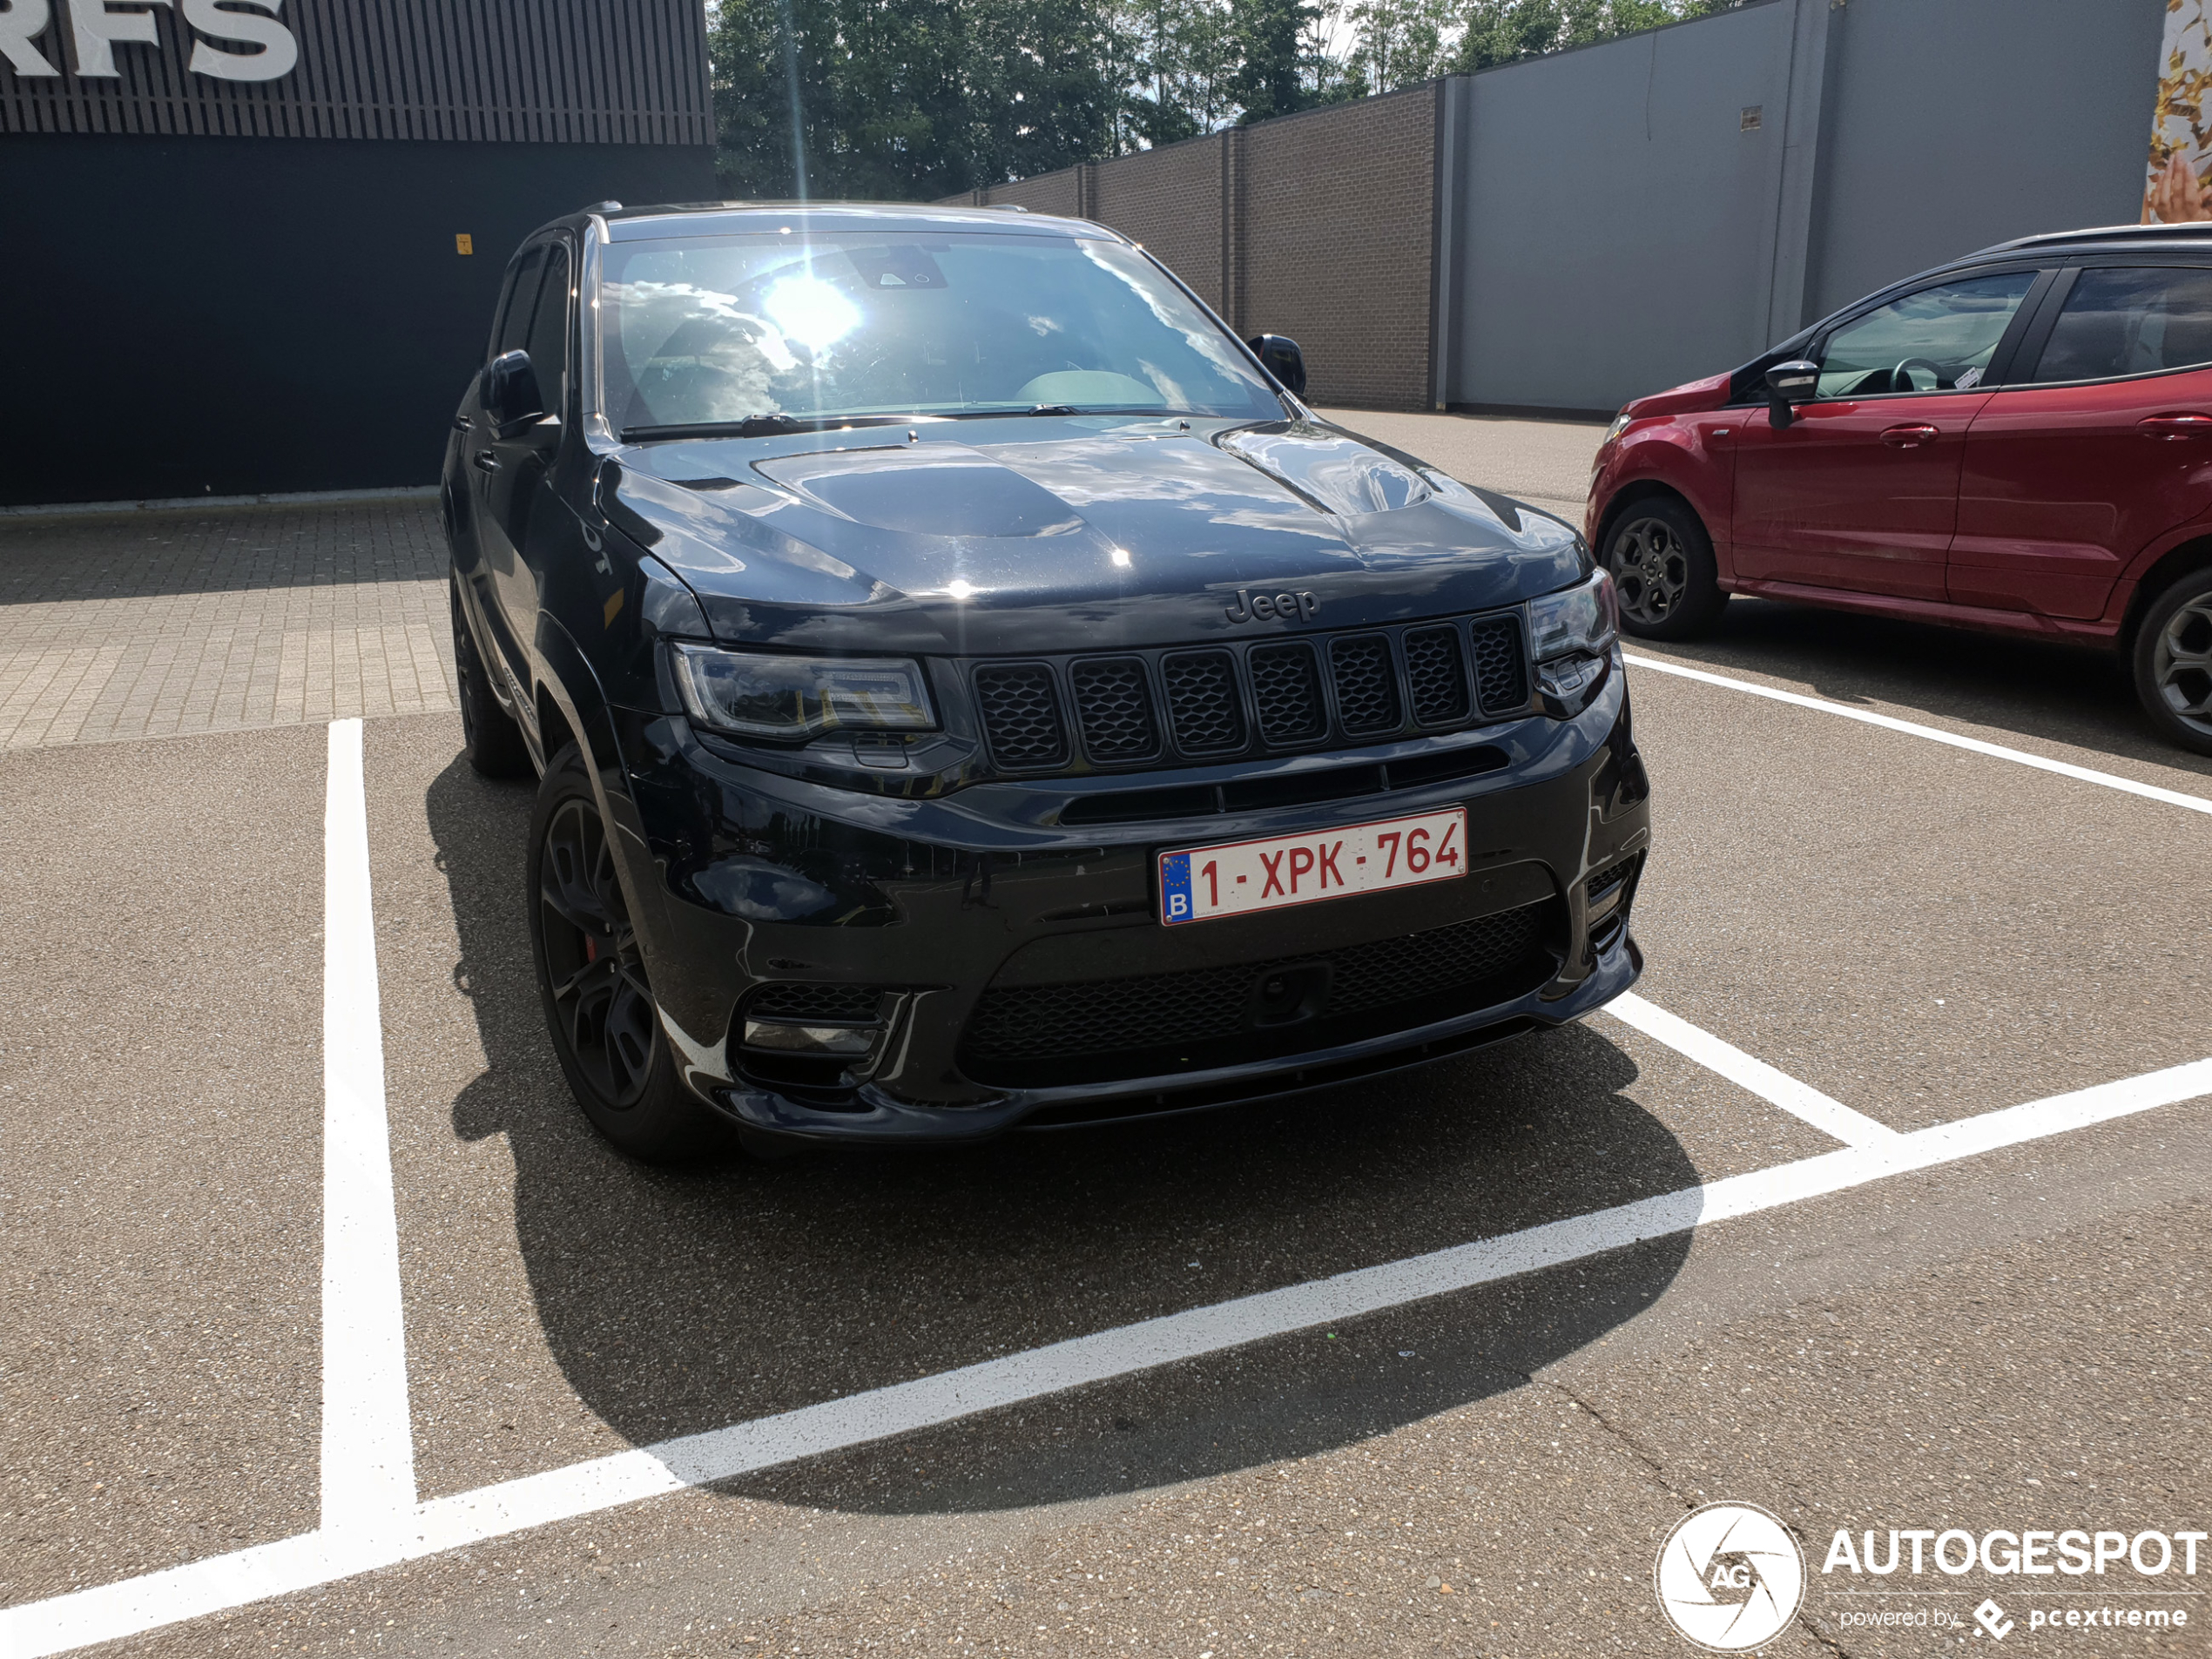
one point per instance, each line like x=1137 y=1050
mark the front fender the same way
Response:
x=1678 y=457
x=568 y=684
x=567 y=680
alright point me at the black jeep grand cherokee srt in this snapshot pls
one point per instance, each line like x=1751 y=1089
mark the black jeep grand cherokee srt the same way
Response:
x=971 y=689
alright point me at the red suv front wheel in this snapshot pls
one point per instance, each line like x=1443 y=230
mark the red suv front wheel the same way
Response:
x=1661 y=562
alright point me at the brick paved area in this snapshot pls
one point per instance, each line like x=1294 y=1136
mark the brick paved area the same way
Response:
x=149 y=624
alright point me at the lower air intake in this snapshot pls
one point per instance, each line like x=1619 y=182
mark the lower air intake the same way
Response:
x=1104 y=1030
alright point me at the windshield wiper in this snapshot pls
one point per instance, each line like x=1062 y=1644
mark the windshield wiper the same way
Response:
x=756 y=426
x=1011 y=413
x=769 y=425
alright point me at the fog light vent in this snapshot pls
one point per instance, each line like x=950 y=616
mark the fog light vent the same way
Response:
x=832 y=1021
x=1609 y=892
x=788 y=1036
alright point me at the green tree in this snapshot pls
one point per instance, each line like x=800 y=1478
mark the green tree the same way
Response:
x=1505 y=31
x=909 y=99
x=1400 y=43
x=1182 y=60
x=1043 y=84
x=913 y=99
x=1273 y=40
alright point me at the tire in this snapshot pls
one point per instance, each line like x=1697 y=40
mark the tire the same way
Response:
x=489 y=737
x=600 y=1007
x=1662 y=562
x=2172 y=662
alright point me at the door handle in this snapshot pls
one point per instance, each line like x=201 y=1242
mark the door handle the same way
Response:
x=2174 y=427
x=1909 y=438
x=486 y=462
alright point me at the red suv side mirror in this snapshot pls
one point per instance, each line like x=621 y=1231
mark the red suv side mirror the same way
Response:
x=1795 y=382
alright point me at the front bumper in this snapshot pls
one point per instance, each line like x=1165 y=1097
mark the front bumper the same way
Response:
x=757 y=890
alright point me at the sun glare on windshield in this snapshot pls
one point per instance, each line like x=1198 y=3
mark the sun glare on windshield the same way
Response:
x=811 y=311
x=731 y=329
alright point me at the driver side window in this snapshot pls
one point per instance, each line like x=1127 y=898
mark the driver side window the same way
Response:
x=1937 y=339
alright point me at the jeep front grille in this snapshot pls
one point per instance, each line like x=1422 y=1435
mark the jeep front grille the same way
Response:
x=1269 y=696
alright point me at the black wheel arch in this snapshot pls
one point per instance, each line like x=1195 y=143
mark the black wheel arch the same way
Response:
x=572 y=707
x=2176 y=562
x=1630 y=494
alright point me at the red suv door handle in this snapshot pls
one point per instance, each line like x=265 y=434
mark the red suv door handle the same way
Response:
x=1908 y=437
x=2174 y=428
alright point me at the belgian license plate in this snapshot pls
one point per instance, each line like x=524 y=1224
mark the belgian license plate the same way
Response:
x=1205 y=883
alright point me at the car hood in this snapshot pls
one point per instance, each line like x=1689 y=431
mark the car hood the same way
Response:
x=1054 y=533
x=1691 y=397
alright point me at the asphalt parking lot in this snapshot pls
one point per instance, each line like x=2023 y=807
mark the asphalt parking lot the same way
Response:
x=1428 y=1365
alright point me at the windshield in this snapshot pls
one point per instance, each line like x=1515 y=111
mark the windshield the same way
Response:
x=733 y=328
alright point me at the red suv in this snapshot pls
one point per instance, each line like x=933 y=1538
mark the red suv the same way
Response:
x=2018 y=442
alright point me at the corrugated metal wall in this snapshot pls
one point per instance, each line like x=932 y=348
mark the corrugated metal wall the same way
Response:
x=547 y=71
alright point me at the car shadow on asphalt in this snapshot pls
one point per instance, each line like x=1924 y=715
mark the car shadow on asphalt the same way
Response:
x=2058 y=693
x=676 y=1300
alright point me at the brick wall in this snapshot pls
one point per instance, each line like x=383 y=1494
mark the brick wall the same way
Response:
x=1050 y=193
x=1321 y=226
x=1337 y=210
x=1170 y=200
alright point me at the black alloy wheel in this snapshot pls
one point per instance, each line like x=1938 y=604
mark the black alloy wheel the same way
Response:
x=1661 y=564
x=593 y=971
x=2173 y=662
x=591 y=976
x=489 y=737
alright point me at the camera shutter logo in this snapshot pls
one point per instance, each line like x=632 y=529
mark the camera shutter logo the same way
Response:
x=1729 y=1576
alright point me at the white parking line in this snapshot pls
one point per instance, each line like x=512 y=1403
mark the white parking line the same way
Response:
x=134 y=1605
x=2083 y=774
x=368 y=1443
x=1832 y=1118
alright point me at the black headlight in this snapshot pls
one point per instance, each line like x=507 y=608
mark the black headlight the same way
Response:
x=757 y=695
x=1571 y=634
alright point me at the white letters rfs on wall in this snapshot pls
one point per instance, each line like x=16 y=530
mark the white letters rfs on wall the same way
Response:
x=95 y=29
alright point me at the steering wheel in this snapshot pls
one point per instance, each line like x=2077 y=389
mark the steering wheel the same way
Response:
x=1901 y=379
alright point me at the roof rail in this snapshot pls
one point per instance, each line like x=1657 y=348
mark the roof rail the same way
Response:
x=2100 y=234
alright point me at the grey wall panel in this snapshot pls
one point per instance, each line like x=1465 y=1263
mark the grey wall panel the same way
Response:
x=1954 y=123
x=1617 y=223
x=540 y=71
x=239 y=316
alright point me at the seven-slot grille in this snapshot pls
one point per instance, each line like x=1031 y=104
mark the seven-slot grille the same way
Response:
x=1165 y=705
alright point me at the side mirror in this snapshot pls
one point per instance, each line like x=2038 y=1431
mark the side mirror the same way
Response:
x=1795 y=382
x=511 y=397
x=1279 y=354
